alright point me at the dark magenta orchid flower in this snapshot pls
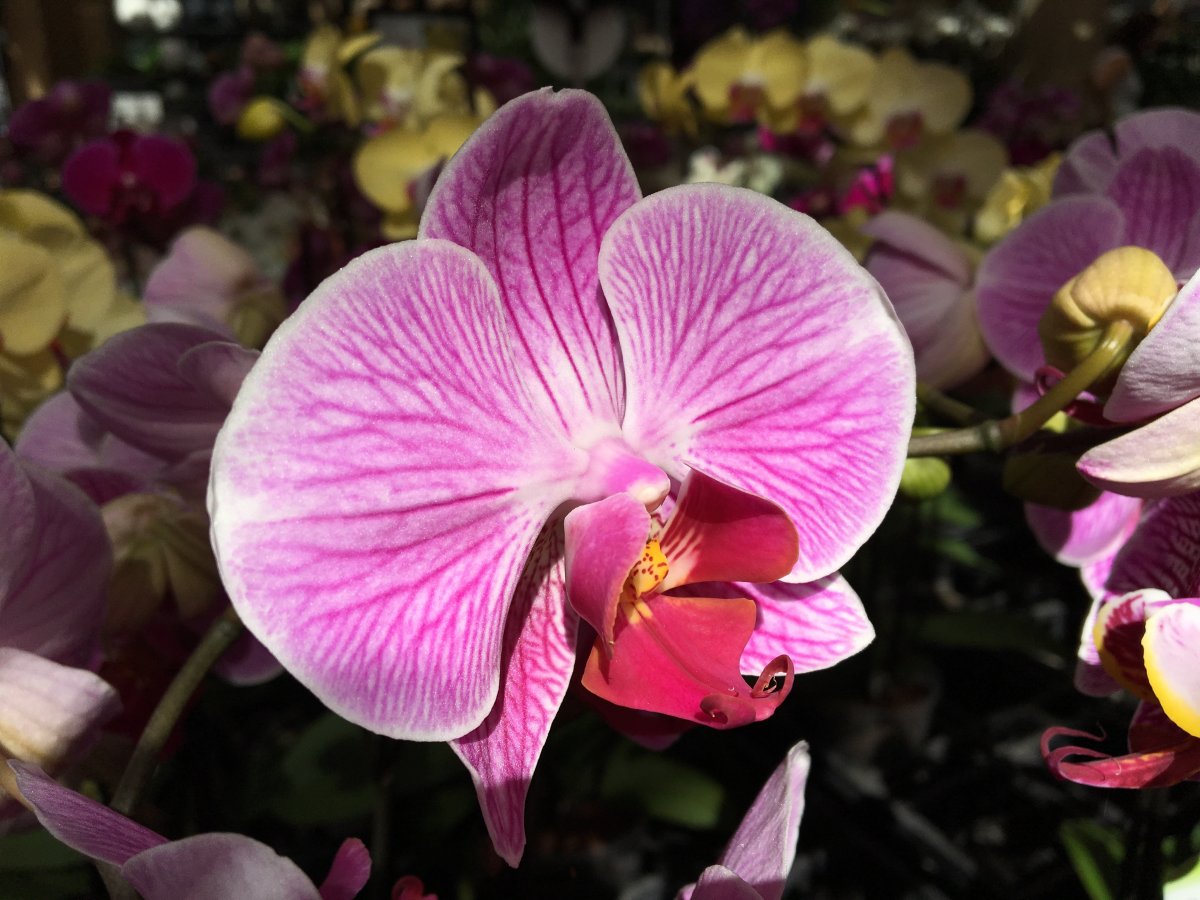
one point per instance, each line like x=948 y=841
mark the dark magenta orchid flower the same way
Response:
x=54 y=125
x=215 y=866
x=129 y=175
x=389 y=493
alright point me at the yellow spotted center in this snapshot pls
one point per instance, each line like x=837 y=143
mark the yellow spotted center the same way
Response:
x=647 y=574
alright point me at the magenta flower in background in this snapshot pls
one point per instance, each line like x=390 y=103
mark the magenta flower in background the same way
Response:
x=215 y=866
x=389 y=490
x=755 y=864
x=54 y=568
x=52 y=126
x=127 y=176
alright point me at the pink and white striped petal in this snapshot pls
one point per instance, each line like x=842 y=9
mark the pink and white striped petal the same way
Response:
x=1076 y=537
x=759 y=352
x=532 y=193
x=1159 y=459
x=1090 y=678
x=1164 y=551
x=348 y=873
x=537 y=664
x=719 y=883
x=200 y=279
x=1092 y=161
x=1172 y=636
x=1119 y=629
x=217 y=866
x=378 y=486
x=1158 y=190
x=1163 y=372
x=1020 y=275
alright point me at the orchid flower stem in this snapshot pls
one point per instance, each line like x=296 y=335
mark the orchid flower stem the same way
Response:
x=998 y=435
x=1142 y=869
x=947 y=407
x=224 y=631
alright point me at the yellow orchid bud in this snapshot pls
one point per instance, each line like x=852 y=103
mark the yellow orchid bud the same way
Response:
x=1128 y=284
x=262 y=119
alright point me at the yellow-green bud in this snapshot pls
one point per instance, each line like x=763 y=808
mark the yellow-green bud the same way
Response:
x=924 y=477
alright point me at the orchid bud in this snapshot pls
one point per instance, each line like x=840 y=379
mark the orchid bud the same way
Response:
x=924 y=478
x=261 y=119
x=1129 y=284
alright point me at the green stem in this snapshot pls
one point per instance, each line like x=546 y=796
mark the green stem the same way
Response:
x=997 y=435
x=224 y=631
x=947 y=407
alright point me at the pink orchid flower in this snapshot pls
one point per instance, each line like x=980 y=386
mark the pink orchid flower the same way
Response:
x=1145 y=640
x=389 y=492
x=51 y=704
x=755 y=864
x=215 y=866
x=127 y=176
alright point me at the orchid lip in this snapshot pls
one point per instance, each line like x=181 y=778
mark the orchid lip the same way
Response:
x=614 y=468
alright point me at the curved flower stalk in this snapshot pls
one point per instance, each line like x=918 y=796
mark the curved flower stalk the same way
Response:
x=214 y=866
x=756 y=863
x=388 y=493
x=929 y=279
x=908 y=101
x=51 y=705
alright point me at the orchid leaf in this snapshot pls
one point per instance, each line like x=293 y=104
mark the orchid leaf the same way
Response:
x=327 y=775
x=989 y=631
x=1095 y=852
x=664 y=788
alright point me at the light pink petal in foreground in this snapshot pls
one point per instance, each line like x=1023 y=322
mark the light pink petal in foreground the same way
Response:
x=217 y=867
x=54 y=601
x=1092 y=160
x=1021 y=274
x=759 y=352
x=719 y=883
x=378 y=486
x=1158 y=190
x=537 y=663
x=532 y=193
x=80 y=822
x=50 y=713
x=1163 y=371
x=132 y=386
x=1159 y=459
x=1076 y=537
x=1172 y=664
x=348 y=873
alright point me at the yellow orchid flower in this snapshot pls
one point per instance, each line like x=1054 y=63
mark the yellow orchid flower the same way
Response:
x=739 y=78
x=409 y=87
x=909 y=100
x=25 y=381
x=391 y=167
x=1019 y=193
x=324 y=83
x=837 y=81
x=945 y=179
x=663 y=94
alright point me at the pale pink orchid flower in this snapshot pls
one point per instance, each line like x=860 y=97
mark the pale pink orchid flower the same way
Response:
x=54 y=568
x=1145 y=639
x=213 y=866
x=453 y=435
x=759 y=856
x=930 y=280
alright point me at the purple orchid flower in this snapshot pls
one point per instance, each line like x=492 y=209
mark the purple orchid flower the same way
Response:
x=215 y=866
x=929 y=278
x=51 y=705
x=1145 y=639
x=129 y=175
x=229 y=93
x=388 y=494
x=52 y=126
x=756 y=862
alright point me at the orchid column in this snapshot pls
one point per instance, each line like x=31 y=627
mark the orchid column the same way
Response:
x=390 y=490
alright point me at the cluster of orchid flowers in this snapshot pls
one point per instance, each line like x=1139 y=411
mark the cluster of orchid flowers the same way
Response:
x=571 y=437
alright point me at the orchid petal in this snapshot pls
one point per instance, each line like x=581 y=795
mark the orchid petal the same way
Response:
x=80 y=822
x=1090 y=678
x=1163 y=371
x=1120 y=626
x=1160 y=459
x=1171 y=666
x=1151 y=729
x=1158 y=190
x=90 y=176
x=763 y=848
x=164 y=164
x=247 y=662
x=531 y=193
x=217 y=866
x=538 y=661
x=1160 y=767
x=50 y=608
x=132 y=386
x=719 y=883
x=654 y=731
x=1020 y=276
x=50 y=713
x=913 y=237
x=18 y=520
x=378 y=485
x=1079 y=536
x=217 y=369
x=718 y=533
x=1164 y=551
x=785 y=369
x=349 y=872
x=1092 y=161
x=203 y=274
